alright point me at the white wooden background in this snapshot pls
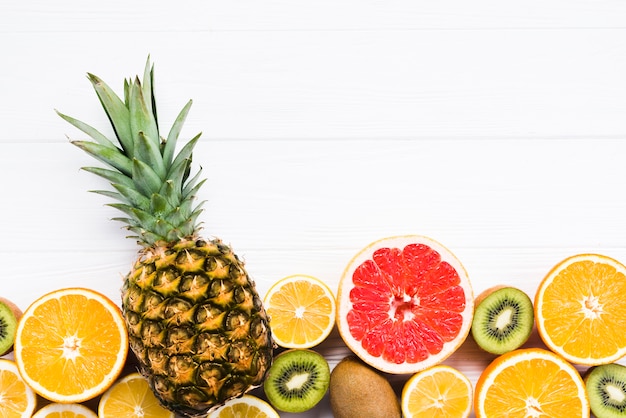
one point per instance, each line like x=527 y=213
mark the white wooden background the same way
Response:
x=496 y=127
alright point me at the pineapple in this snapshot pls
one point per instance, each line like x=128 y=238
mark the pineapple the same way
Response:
x=196 y=323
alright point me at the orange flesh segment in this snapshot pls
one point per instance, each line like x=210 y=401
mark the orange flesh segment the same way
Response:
x=13 y=395
x=584 y=310
x=69 y=337
x=541 y=387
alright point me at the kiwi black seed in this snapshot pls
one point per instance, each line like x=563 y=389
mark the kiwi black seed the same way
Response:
x=297 y=380
x=9 y=315
x=606 y=387
x=503 y=319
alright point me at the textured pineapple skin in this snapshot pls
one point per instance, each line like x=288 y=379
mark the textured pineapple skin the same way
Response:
x=196 y=324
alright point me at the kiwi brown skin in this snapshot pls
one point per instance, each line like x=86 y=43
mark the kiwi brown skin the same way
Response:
x=15 y=313
x=358 y=391
x=489 y=343
x=482 y=295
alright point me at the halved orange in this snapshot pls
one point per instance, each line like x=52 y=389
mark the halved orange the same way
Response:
x=530 y=382
x=65 y=410
x=404 y=304
x=580 y=309
x=438 y=392
x=301 y=310
x=248 y=406
x=17 y=399
x=71 y=345
x=131 y=397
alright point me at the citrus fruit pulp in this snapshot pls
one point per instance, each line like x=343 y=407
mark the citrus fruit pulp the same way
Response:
x=62 y=410
x=16 y=398
x=131 y=397
x=531 y=382
x=301 y=310
x=248 y=406
x=440 y=391
x=71 y=344
x=404 y=303
x=580 y=309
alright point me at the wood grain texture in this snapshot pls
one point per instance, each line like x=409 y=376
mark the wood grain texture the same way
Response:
x=335 y=85
x=498 y=129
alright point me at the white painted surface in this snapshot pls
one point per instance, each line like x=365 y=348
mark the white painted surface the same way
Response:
x=497 y=128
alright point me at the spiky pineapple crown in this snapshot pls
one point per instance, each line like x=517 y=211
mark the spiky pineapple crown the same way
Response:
x=152 y=182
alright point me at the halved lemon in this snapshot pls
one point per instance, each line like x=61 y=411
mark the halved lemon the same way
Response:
x=65 y=410
x=71 y=345
x=17 y=399
x=248 y=406
x=440 y=391
x=131 y=397
x=301 y=310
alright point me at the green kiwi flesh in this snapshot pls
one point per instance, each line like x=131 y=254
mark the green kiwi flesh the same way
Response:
x=9 y=315
x=606 y=387
x=297 y=380
x=503 y=320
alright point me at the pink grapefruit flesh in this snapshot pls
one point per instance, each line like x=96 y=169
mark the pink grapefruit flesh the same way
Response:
x=404 y=304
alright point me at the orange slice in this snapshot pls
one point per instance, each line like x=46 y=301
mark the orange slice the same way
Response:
x=581 y=309
x=65 y=410
x=404 y=304
x=440 y=391
x=530 y=382
x=248 y=406
x=131 y=397
x=71 y=345
x=301 y=310
x=17 y=400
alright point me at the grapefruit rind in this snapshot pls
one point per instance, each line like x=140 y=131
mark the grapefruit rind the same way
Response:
x=344 y=305
x=540 y=318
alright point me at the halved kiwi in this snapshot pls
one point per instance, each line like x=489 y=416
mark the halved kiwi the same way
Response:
x=9 y=315
x=297 y=380
x=503 y=319
x=606 y=387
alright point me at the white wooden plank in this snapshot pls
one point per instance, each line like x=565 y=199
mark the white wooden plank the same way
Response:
x=308 y=207
x=562 y=84
x=212 y=15
x=312 y=195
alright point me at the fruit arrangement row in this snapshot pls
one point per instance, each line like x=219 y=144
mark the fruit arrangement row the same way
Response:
x=70 y=348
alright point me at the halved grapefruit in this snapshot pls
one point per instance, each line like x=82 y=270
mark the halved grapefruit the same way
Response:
x=404 y=303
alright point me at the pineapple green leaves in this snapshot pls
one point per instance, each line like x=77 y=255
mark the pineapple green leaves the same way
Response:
x=151 y=182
